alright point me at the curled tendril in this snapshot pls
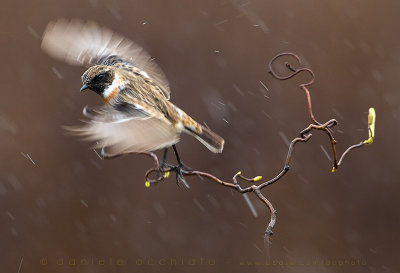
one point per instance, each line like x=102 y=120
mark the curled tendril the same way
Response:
x=291 y=68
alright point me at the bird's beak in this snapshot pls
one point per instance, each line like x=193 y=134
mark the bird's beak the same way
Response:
x=84 y=87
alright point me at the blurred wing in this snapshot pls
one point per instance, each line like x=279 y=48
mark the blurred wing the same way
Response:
x=85 y=43
x=121 y=133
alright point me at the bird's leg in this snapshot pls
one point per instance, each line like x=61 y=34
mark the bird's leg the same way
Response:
x=180 y=168
x=180 y=163
x=164 y=163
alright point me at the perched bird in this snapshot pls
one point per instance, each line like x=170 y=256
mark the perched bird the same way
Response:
x=137 y=115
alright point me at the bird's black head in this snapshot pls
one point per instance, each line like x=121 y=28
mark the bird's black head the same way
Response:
x=97 y=78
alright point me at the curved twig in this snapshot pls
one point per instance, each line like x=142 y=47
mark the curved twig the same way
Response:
x=305 y=135
x=295 y=71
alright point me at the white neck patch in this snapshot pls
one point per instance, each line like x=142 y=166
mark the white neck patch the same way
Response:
x=115 y=84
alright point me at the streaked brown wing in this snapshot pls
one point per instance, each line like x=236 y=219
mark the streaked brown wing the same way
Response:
x=119 y=133
x=85 y=43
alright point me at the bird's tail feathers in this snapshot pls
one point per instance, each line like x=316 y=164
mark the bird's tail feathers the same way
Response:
x=211 y=140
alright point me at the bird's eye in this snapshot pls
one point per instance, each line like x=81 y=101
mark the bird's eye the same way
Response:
x=100 y=76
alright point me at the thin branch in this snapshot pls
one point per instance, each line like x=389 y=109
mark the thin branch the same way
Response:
x=305 y=135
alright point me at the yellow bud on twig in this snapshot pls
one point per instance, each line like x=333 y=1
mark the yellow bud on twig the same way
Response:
x=257 y=178
x=371 y=126
x=147 y=184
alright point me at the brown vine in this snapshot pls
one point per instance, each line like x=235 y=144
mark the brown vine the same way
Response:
x=305 y=135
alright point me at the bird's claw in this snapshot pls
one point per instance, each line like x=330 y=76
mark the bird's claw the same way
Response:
x=185 y=167
x=179 y=170
x=164 y=165
x=164 y=169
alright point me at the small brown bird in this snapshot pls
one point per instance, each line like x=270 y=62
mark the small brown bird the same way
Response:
x=137 y=115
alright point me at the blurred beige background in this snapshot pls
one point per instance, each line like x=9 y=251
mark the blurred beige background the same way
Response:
x=60 y=202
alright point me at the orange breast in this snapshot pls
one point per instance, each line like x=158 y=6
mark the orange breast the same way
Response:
x=111 y=96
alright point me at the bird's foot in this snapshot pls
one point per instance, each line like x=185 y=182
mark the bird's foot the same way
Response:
x=165 y=166
x=164 y=169
x=180 y=169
